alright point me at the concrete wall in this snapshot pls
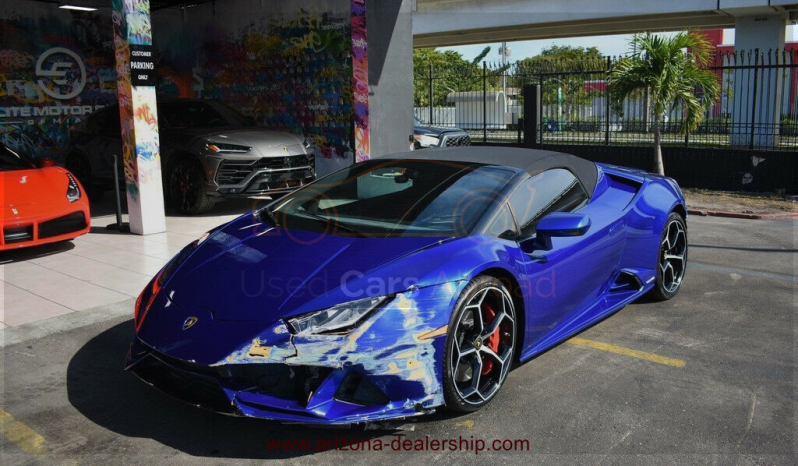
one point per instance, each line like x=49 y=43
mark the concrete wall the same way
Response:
x=390 y=42
x=763 y=33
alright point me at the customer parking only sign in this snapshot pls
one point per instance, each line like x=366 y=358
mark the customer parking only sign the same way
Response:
x=142 y=65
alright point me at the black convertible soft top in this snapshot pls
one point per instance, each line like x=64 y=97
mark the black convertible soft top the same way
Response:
x=530 y=160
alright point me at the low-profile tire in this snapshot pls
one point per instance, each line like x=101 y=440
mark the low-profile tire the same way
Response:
x=79 y=165
x=186 y=187
x=671 y=258
x=480 y=344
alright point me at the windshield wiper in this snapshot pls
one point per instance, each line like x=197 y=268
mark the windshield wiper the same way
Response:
x=269 y=214
x=337 y=222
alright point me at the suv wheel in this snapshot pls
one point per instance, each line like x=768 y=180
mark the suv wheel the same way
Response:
x=187 y=188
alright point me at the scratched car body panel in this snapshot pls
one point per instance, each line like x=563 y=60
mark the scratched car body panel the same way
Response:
x=347 y=321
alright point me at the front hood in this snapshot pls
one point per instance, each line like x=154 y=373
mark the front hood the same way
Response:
x=249 y=271
x=268 y=143
x=434 y=130
x=34 y=187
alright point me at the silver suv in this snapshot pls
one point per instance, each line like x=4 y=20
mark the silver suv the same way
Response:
x=208 y=152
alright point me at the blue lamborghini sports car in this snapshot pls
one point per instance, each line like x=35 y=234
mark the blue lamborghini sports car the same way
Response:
x=402 y=284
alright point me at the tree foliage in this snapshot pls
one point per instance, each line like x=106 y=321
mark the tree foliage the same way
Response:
x=451 y=73
x=674 y=70
x=569 y=60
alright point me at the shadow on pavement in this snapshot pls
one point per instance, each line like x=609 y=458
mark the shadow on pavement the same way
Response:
x=35 y=252
x=106 y=206
x=116 y=400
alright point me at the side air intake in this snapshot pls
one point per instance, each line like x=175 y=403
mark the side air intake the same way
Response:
x=626 y=281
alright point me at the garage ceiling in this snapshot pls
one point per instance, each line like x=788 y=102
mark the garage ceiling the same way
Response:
x=154 y=4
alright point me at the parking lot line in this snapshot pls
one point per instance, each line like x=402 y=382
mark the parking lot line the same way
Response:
x=21 y=435
x=627 y=352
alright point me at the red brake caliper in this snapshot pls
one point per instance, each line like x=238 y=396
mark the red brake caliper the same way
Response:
x=488 y=314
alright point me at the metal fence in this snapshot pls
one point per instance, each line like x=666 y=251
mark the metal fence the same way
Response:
x=757 y=107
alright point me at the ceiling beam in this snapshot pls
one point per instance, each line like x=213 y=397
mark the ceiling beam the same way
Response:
x=593 y=27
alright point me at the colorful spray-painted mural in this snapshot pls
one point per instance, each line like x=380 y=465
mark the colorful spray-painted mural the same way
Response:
x=360 y=80
x=56 y=66
x=139 y=121
x=288 y=66
x=292 y=66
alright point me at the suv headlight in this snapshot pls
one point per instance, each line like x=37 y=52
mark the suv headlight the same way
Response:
x=337 y=319
x=73 y=190
x=424 y=140
x=224 y=148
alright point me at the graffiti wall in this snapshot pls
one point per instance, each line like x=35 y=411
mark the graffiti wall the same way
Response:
x=56 y=66
x=360 y=80
x=288 y=65
x=292 y=66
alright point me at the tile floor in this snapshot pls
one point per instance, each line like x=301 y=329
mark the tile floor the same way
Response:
x=100 y=268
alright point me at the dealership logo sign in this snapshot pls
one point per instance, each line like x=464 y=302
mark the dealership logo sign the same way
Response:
x=62 y=73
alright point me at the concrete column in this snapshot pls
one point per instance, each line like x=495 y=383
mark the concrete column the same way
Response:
x=764 y=33
x=390 y=75
x=139 y=115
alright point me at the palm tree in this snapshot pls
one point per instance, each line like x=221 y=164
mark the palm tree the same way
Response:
x=673 y=69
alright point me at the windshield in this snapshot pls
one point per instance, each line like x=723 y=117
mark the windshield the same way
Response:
x=10 y=160
x=199 y=114
x=396 y=198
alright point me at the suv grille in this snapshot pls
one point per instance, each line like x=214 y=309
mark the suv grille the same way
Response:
x=452 y=141
x=234 y=171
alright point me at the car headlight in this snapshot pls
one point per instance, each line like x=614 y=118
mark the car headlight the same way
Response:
x=339 y=318
x=307 y=143
x=73 y=190
x=424 y=140
x=225 y=148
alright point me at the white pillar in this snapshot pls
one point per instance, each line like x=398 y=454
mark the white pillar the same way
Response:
x=757 y=94
x=139 y=115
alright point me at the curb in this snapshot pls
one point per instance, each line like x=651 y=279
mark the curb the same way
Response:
x=65 y=322
x=721 y=213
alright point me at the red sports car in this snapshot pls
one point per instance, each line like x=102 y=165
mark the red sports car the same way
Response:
x=40 y=205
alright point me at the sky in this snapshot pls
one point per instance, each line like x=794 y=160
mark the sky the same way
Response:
x=607 y=45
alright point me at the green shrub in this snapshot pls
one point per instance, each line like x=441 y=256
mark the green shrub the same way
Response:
x=633 y=125
x=714 y=125
x=788 y=126
x=583 y=125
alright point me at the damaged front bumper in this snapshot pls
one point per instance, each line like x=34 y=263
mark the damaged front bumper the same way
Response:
x=389 y=367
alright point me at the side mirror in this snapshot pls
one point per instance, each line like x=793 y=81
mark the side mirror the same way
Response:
x=46 y=162
x=560 y=224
